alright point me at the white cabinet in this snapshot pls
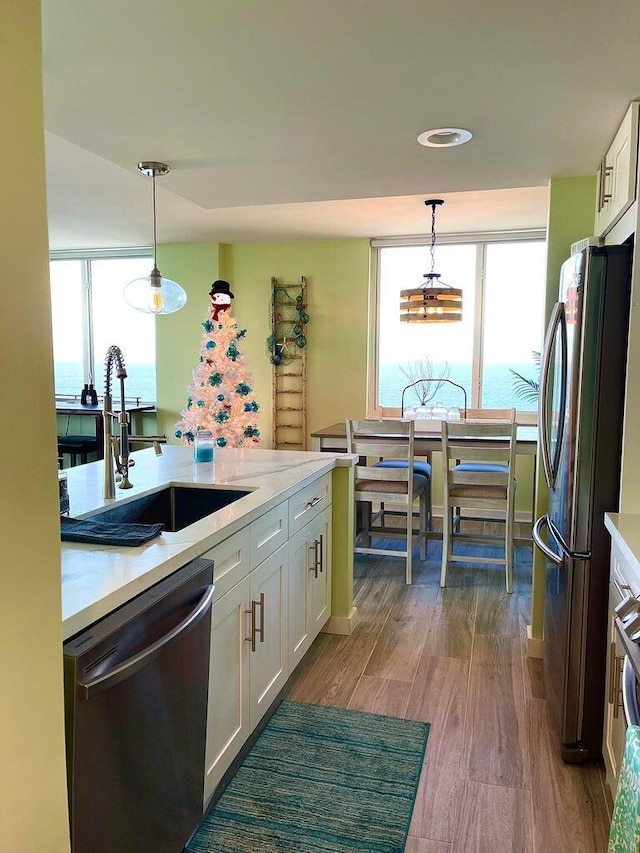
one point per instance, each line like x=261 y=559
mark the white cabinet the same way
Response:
x=272 y=597
x=228 y=708
x=248 y=662
x=266 y=639
x=309 y=584
x=615 y=727
x=617 y=174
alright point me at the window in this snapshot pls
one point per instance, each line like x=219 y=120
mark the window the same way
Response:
x=492 y=353
x=89 y=314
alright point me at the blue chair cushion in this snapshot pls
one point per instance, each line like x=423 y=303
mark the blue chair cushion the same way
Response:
x=421 y=468
x=482 y=467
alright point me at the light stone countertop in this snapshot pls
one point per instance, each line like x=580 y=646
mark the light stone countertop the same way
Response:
x=96 y=579
x=625 y=534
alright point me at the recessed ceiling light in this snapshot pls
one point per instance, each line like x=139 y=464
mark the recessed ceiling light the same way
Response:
x=444 y=137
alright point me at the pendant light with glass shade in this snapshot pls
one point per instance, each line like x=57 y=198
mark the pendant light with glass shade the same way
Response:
x=435 y=301
x=154 y=294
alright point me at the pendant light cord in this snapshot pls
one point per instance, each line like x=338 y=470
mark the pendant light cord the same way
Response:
x=153 y=193
x=433 y=236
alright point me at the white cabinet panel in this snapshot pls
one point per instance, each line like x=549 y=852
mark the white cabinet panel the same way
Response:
x=618 y=173
x=319 y=600
x=230 y=562
x=615 y=727
x=268 y=533
x=308 y=503
x=268 y=633
x=228 y=708
x=309 y=584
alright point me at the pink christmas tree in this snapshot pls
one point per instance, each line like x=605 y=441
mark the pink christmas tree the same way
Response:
x=221 y=396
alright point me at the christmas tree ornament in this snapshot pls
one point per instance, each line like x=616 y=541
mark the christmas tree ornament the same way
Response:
x=221 y=297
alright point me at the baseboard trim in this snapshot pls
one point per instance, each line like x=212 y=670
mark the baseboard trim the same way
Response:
x=343 y=625
x=535 y=646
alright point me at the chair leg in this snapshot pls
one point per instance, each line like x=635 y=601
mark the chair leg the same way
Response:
x=407 y=573
x=424 y=521
x=508 y=548
x=446 y=543
x=364 y=510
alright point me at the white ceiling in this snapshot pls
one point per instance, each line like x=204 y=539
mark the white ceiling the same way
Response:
x=289 y=119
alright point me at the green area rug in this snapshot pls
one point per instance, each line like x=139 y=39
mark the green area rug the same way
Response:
x=320 y=780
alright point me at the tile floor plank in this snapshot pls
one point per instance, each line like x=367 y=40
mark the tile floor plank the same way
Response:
x=495 y=743
x=381 y=696
x=426 y=845
x=494 y=819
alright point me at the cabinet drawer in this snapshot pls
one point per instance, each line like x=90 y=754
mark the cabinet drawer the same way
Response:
x=268 y=533
x=308 y=503
x=230 y=562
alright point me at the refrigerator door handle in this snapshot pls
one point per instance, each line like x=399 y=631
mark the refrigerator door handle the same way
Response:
x=556 y=326
x=536 y=534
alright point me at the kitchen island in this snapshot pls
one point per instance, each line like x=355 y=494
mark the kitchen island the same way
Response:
x=280 y=553
x=96 y=579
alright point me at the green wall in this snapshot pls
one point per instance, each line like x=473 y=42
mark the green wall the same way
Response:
x=178 y=336
x=337 y=273
x=570 y=218
x=33 y=805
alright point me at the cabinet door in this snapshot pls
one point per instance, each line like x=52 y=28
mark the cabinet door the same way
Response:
x=301 y=571
x=228 y=709
x=319 y=587
x=615 y=727
x=268 y=633
x=617 y=173
x=309 y=584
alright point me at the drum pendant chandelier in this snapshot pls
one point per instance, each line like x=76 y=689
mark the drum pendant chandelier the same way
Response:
x=435 y=301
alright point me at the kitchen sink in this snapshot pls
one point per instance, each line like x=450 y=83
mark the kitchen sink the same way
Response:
x=174 y=506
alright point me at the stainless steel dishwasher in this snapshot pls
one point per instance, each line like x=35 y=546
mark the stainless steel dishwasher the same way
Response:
x=135 y=716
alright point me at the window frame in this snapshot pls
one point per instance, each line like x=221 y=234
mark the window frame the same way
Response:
x=481 y=240
x=86 y=256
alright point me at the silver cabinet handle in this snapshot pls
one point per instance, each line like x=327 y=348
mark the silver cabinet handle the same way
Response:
x=623 y=589
x=618 y=663
x=310 y=505
x=137 y=662
x=255 y=630
x=314 y=548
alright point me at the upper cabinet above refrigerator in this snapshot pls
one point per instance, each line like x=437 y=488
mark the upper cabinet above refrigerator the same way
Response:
x=617 y=174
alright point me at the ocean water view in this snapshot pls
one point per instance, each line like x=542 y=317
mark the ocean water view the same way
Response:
x=498 y=386
x=498 y=389
x=140 y=381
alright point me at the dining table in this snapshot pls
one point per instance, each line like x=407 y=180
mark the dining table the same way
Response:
x=78 y=409
x=428 y=440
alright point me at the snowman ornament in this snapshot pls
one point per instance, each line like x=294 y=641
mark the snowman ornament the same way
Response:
x=221 y=297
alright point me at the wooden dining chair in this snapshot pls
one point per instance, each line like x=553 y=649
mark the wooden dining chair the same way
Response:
x=478 y=474
x=485 y=415
x=375 y=484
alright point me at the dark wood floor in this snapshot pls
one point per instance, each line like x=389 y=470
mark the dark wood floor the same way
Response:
x=493 y=779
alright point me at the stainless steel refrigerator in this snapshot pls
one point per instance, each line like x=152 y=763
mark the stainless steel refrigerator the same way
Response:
x=582 y=383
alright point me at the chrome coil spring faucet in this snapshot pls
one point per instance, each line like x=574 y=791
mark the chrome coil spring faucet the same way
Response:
x=119 y=458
